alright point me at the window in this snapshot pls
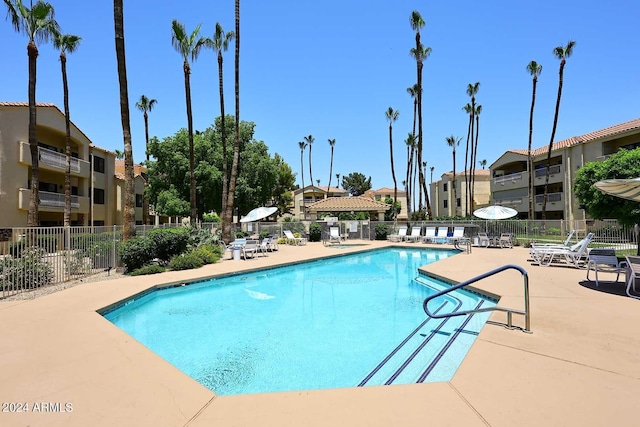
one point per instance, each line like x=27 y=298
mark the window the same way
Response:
x=47 y=186
x=74 y=191
x=445 y=188
x=98 y=196
x=98 y=223
x=446 y=203
x=138 y=200
x=98 y=164
x=458 y=204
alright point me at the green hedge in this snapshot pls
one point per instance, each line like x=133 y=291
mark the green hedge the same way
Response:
x=186 y=261
x=137 y=252
x=148 y=269
x=169 y=242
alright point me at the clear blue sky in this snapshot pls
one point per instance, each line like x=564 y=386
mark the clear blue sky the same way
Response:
x=331 y=69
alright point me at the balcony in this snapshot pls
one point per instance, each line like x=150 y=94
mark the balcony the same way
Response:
x=52 y=202
x=52 y=160
x=556 y=174
x=555 y=202
x=511 y=181
x=518 y=203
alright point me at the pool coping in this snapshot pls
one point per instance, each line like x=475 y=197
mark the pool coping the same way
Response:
x=578 y=367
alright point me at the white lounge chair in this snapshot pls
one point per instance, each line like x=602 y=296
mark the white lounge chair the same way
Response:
x=334 y=235
x=293 y=240
x=458 y=234
x=429 y=234
x=441 y=235
x=402 y=233
x=415 y=234
x=634 y=273
x=505 y=240
x=575 y=255
x=484 y=240
x=565 y=245
x=605 y=260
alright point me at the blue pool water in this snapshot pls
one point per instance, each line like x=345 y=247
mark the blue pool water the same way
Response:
x=353 y=320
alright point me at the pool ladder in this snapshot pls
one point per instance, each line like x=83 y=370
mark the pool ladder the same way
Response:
x=509 y=311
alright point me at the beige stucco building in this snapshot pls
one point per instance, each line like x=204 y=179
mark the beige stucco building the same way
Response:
x=443 y=203
x=381 y=194
x=510 y=175
x=97 y=190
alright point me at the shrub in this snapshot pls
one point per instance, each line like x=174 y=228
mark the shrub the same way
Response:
x=206 y=254
x=282 y=241
x=211 y=217
x=382 y=230
x=185 y=261
x=241 y=234
x=46 y=243
x=137 y=252
x=148 y=269
x=203 y=236
x=30 y=271
x=169 y=242
x=75 y=263
x=315 y=232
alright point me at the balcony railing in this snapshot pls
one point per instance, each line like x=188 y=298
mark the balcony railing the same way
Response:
x=57 y=160
x=514 y=201
x=543 y=171
x=506 y=178
x=57 y=200
x=551 y=197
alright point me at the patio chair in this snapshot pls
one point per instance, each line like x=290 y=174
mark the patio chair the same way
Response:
x=415 y=234
x=334 y=235
x=605 y=260
x=441 y=235
x=250 y=247
x=565 y=245
x=293 y=240
x=575 y=255
x=483 y=240
x=429 y=235
x=458 y=234
x=505 y=241
x=633 y=262
x=402 y=233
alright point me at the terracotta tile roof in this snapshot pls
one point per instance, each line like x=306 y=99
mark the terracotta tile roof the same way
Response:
x=479 y=172
x=587 y=137
x=321 y=188
x=356 y=203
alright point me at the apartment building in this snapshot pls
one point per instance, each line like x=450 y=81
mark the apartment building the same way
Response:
x=381 y=194
x=303 y=197
x=510 y=174
x=445 y=202
x=97 y=191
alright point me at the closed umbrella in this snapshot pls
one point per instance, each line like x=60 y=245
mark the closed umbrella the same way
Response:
x=624 y=188
x=258 y=213
x=495 y=212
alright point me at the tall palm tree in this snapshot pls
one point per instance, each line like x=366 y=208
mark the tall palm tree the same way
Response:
x=476 y=114
x=392 y=116
x=332 y=143
x=483 y=163
x=419 y=53
x=338 y=178
x=562 y=53
x=309 y=140
x=534 y=69
x=188 y=45
x=467 y=108
x=302 y=146
x=38 y=23
x=66 y=43
x=145 y=105
x=472 y=90
x=129 y=221
x=413 y=93
x=432 y=168
x=411 y=145
x=453 y=142
x=220 y=43
x=226 y=231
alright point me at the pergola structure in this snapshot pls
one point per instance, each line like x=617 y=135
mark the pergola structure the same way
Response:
x=349 y=204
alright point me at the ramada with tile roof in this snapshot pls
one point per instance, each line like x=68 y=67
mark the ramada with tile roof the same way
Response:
x=349 y=204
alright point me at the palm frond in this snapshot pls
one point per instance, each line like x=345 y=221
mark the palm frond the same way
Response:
x=66 y=42
x=179 y=38
x=416 y=21
x=42 y=24
x=13 y=12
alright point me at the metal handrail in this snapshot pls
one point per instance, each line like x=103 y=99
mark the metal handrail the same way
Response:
x=509 y=311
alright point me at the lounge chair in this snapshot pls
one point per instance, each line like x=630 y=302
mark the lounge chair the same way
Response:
x=565 y=245
x=402 y=233
x=429 y=234
x=251 y=247
x=334 y=235
x=605 y=260
x=484 y=240
x=293 y=240
x=458 y=234
x=505 y=241
x=441 y=235
x=633 y=273
x=415 y=234
x=576 y=255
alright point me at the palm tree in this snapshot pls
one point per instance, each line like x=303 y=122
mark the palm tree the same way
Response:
x=338 y=178
x=413 y=93
x=145 y=104
x=472 y=90
x=477 y=112
x=562 y=53
x=226 y=231
x=129 y=221
x=411 y=145
x=39 y=25
x=432 y=168
x=332 y=143
x=468 y=110
x=392 y=116
x=119 y=154
x=534 y=69
x=452 y=142
x=309 y=140
x=220 y=43
x=302 y=146
x=318 y=181
x=419 y=53
x=483 y=163
x=188 y=45
x=66 y=43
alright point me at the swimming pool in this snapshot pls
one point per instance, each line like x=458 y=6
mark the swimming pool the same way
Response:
x=352 y=320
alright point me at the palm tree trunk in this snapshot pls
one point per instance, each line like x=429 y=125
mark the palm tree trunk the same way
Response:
x=466 y=166
x=469 y=183
x=145 y=198
x=455 y=189
x=129 y=222
x=422 y=178
x=393 y=174
x=408 y=181
x=330 y=172
x=473 y=165
x=529 y=158
x=32 y=217
x=236 y=143
x=67 y=120
x=226 y=222
x=192 y=176
x=313 y=190
x=553 y=135
x=302 y=172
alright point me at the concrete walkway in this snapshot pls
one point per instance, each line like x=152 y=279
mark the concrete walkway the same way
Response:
x=581 y=366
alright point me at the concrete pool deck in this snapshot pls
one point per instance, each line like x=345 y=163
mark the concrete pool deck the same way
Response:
x=581 y=365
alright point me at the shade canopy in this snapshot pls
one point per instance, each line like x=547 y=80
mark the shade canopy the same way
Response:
x=495 y=212
x=624 y=188
x=258 y=213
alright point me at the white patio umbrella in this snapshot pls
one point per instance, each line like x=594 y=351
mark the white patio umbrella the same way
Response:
x=495 y=212
x=624 y=188
x=258 y=213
